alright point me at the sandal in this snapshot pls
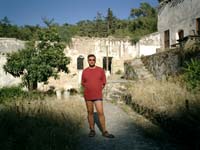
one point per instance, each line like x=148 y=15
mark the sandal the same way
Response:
x=107 y=135
x=92 y=133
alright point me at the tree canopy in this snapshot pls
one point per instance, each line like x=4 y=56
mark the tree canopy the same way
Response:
x=41 y=59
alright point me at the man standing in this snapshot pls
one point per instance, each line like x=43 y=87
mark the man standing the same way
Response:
x=93 y=82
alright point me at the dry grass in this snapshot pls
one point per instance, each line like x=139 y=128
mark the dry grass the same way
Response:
x=171 y=112
x=41 y=125
x=150 y=129
x=191 y=46
x=162 y=96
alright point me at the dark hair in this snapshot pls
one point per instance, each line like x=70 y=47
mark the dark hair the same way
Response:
x=91 y=55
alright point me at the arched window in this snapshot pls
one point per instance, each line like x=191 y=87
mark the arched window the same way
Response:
x=80 y=64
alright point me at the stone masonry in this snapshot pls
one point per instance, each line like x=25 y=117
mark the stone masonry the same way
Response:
x=175 y=16
x=112 y=50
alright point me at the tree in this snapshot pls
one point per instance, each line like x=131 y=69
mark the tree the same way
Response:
x=5 y=21
x=160 y=1
x=48 y=22
x=111 y=22
x=144 y=11
x=6 y=29
x=86 y=28
x=145 y=21
x=100 y=26
x=39 y=60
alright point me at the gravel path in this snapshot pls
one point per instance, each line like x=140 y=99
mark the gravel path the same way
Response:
x=127 y=135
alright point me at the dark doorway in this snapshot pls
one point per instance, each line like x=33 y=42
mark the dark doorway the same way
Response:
x=198 y=26
x=80 y=64
x=166 y=39
x=109 y=65
x=180 y=34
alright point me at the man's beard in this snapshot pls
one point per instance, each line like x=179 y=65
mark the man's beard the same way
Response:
x=92 y=65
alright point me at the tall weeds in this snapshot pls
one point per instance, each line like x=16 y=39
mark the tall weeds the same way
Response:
x=40 y=125
x=161 y=95
x=170 y=105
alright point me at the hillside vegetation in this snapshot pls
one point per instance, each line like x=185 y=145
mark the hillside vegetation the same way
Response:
x=141 y=21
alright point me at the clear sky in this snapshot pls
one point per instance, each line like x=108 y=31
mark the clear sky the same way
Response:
x=30 y=12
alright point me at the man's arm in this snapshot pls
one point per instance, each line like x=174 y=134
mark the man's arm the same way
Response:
x=103 y=78
x=83 y=79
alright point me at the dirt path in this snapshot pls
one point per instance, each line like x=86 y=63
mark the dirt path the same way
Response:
x=128 y=136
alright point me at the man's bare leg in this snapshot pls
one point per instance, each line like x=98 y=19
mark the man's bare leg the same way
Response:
x=99 y=108
x=90 y=111
x=100 y=112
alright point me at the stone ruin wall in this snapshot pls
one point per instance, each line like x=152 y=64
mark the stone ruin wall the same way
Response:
x=164 y=64
x=6 y=79
x=148 y=44
x=8 y=45
x=176 y=15
x=118 y=49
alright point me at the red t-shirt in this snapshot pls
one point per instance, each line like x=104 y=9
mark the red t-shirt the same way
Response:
x=93 y=81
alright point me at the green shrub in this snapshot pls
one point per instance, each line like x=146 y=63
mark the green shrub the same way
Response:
x=192 y=73
x=14 y=93
x=8 y=93
x=191 y=46
x=81 y=90
x=119 y=72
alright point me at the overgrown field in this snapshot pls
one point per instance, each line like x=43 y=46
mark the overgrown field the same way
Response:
x=41 y=124
x=170 y=105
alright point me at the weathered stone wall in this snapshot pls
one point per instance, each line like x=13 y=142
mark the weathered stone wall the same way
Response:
x=10 y=44
x=163 y=64
x=117 y=49
x=176 y=15
x=149 y=44
x=6 y=79
x=160 y=65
